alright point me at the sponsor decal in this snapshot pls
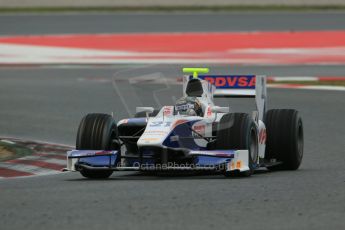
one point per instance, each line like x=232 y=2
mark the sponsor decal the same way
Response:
x=174 y=138
x=200 y=129
x=168 y=110
x=231 y=165
x=102 y=153
x=224 y=155
x=238 y=164
x=150 y=139
x=209 y=112
x=155 y=132
x=123 y=121
x=160 y=124
x=236 y=82
x=184 y=107
x=262 y=136
x=81 y=153
x=214 y=153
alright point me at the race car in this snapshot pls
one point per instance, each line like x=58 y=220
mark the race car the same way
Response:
x=194 y=134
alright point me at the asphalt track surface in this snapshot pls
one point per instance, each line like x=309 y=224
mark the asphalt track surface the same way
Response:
x=47 y=104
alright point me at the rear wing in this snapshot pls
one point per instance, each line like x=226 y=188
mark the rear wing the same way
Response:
x=250 y=86
x=247 y=86
x=232 y=85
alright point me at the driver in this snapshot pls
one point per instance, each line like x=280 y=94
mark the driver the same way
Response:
x=190 y=106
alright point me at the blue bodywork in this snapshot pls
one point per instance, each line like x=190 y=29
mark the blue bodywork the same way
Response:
x=95 y=158
x=111 y=159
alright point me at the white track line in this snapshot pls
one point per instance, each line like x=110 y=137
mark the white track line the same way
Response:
x=310 y=87
x=294 y=78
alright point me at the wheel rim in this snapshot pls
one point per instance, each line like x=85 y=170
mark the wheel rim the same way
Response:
x=253 y=148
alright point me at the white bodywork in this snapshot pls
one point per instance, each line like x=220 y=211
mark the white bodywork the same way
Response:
x=158 y=128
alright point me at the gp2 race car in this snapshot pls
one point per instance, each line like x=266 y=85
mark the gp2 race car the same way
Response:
x=194 y=134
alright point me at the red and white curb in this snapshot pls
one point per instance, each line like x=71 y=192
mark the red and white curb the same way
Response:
x=49 y=161
x=305 y=79
x=245 y=48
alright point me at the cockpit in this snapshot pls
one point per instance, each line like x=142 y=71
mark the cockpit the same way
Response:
x=190 y=105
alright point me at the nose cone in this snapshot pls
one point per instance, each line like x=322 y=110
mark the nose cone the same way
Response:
x=157 y=130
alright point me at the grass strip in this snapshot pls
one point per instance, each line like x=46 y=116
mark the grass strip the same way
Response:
x=10 y=151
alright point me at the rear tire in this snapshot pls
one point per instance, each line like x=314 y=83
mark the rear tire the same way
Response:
x=238 y=131
x=96 y=132
x=284 y=138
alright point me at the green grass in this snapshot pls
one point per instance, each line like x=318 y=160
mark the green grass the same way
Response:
x=174 y=8
x=10 y=151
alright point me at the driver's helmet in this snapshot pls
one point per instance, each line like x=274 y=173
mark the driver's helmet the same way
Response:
x=190 y=106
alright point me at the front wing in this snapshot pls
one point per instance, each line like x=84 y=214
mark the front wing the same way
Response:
x=207 y=160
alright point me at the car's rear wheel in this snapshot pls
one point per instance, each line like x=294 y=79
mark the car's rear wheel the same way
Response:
x=238 y=131
x=96 y=132
x=284 y=138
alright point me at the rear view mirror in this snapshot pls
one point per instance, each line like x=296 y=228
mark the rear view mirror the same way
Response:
x=144 y=109
x=218 y=109
x=147 y=110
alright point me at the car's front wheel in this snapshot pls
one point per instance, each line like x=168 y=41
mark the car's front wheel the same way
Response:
x=96 y=132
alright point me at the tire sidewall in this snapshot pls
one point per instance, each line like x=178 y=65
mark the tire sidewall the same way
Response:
x=251 y=127
x=284 y=138
x=108 y=134
x=296 y=158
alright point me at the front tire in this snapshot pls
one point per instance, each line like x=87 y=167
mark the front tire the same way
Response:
x=96 y=132
x=284 y=138
x=238 y=131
